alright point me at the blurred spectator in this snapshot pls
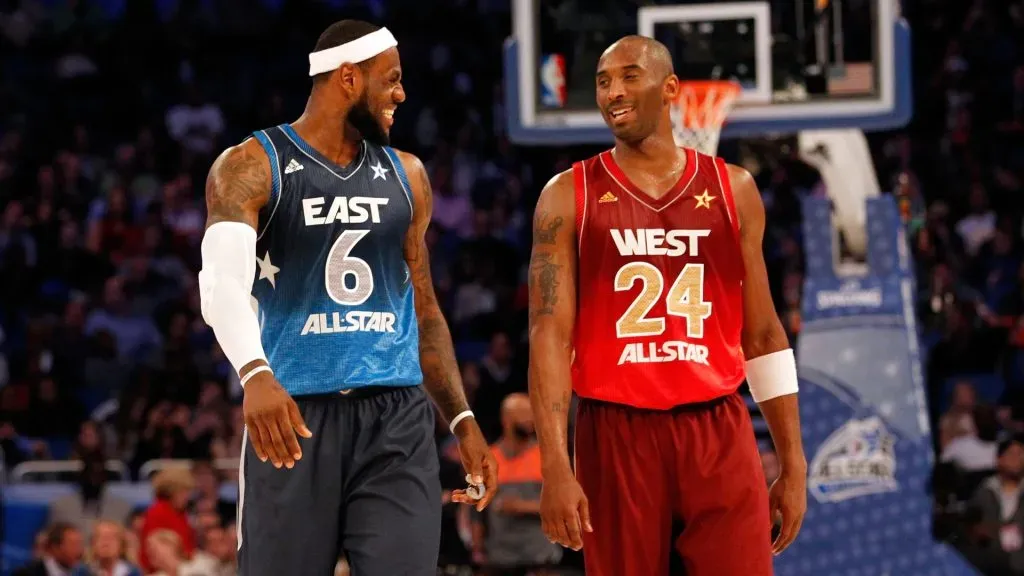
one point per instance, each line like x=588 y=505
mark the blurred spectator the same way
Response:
x=959 y=419
x=452 y=212
x=107 y=552
x=89 y=444
x=134 y=335
x=999 y=531
x=62 y=554
x=164 y=550
x=230 y=444
x=195 y=123
x=508 y=538
x=217 y=552
x=63 y=414
x=91 y=502
x=498 y=379
x=165 y=435
x=979 y=225
x=208 y=480
x=166 y=527
x=975 y=452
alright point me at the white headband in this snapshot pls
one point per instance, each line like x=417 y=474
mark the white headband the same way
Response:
x=352 y=52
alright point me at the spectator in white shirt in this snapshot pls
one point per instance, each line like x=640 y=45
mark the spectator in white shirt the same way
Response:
x=972 y=452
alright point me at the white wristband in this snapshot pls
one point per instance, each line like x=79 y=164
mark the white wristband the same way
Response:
x=462 y=416
x=772 y=375
x=248 y=375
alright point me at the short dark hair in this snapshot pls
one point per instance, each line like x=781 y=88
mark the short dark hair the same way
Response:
x=342 y=32
x=1005 y=444
x=56 y=532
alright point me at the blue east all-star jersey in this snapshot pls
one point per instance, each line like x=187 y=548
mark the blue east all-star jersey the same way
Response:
x=332 y=289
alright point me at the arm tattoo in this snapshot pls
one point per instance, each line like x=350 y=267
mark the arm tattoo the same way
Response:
x=543 y=269
x=544 y=282
x=546 y=228
x=236 y=180
x=441 y=376
x=561 y=405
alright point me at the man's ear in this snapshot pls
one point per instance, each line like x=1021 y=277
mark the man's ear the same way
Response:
x=350 y=77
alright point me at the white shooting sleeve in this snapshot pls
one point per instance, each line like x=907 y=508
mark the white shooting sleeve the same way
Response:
x=225 y=291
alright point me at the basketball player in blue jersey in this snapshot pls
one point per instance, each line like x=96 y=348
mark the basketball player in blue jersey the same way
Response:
x=316 y=282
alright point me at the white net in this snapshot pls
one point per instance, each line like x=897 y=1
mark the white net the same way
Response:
x=700 y=112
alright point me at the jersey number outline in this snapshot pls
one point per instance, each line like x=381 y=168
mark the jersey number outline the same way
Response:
x=685 y=298
x=340 y=263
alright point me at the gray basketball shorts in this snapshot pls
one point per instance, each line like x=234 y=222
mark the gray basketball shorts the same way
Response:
x=366 y=486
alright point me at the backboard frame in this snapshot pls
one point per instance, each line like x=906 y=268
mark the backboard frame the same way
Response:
x=530 y=126
x=650 y=16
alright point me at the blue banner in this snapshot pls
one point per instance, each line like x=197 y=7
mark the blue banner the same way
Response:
x=863 y=412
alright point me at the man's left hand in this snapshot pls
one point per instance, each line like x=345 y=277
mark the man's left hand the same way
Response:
x=787 y=500
x=479 y=463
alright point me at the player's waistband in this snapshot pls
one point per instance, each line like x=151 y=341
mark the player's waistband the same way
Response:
x=678 y=408
x=355 y=392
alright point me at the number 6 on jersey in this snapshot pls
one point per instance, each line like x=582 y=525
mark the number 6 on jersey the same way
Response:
x=685 y=298
x=340 y=264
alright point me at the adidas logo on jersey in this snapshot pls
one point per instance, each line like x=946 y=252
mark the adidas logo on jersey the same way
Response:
x=292 y=166
x=608 y=197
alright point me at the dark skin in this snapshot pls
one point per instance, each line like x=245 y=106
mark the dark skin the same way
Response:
x=237 y=188
x=635 y=85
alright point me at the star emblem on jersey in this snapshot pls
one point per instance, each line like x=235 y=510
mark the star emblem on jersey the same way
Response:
x=293 y=166
x=379 y=171
x=267 y=270
x=608 y=197
x=704 y=200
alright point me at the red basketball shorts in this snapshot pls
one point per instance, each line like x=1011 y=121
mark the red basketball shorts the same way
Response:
x=645 y=472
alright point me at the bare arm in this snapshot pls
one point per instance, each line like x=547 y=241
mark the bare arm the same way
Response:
x=441 y=376
x=552 y=317
x=762 y=331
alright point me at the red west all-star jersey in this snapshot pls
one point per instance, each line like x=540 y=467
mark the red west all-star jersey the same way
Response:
x=660 y=301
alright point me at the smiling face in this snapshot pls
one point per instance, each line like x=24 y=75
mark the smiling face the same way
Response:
x=373 y=113
x=635 y=85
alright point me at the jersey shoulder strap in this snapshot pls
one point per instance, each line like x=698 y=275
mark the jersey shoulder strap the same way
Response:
x=579 y=178
x=725 y=185
x=399 y=168
x=270 y=142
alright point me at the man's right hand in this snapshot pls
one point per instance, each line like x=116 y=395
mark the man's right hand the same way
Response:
x=272 y=419
x=564 y=510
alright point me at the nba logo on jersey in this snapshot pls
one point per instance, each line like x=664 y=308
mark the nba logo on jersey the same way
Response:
x=552 y=81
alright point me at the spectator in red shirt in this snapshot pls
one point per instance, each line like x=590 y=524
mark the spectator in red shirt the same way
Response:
x=173 y=489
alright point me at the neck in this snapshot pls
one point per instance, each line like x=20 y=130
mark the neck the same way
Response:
x=106 y=563
x=323 y=126
x=656 y=146
x=1008 y=483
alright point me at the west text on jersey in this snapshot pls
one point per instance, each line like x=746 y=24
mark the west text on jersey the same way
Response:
x=353 y=321
x=354 y=210
x=658 y=241
x=670 y=351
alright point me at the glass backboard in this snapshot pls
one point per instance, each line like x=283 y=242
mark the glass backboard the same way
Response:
x=803 y=64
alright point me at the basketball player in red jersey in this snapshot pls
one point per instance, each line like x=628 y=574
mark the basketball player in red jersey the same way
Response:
x=648 y=292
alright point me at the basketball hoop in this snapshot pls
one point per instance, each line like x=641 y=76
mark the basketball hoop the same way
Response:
x=700 y=111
